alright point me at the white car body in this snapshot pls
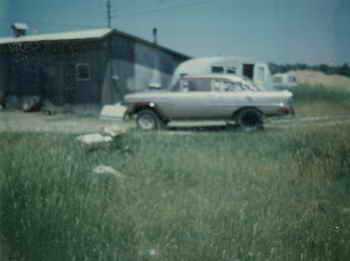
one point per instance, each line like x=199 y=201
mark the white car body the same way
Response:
x=218 y=97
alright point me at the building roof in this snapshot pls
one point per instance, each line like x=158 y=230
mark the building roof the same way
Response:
x=141 y=40
x=79 y=35
x=203 y=63
x=82 y=35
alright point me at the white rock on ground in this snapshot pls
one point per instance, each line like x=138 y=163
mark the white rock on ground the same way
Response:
x=114 y=131
x=94 y=140
x=109 y=171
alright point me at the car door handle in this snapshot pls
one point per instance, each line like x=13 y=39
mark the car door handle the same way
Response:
x=249 y=98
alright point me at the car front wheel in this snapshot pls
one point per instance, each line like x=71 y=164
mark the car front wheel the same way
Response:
x=250 y=120
x=148 y=120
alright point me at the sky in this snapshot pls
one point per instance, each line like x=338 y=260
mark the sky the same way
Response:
x=281 y=31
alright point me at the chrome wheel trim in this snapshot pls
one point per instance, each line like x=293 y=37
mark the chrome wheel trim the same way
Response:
x=147 y=122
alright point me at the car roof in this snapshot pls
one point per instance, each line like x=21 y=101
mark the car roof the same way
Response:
x=233 y=78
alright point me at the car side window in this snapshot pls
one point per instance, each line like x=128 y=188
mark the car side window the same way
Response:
x=194 y=85
x=233 y=86
x=226 y=86
x=183 y=85
x=217 y=85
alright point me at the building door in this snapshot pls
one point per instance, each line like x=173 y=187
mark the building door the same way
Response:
x=69 y=83
x=54 y=84
x=248 y=71
x=27 y=81
x=87 y=86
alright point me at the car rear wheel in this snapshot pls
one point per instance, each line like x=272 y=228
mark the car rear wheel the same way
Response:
x=250 y=120
x=148 y=120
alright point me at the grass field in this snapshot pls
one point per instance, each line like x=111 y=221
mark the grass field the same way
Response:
x=274 y=195
x=321 y=100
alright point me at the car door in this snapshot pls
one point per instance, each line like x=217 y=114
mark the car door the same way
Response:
x=191 y=101
x=230 y=96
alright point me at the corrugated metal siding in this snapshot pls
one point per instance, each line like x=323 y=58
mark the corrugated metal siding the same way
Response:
x=50 y=71
x=123 y=58
x=26 y=73
x=153 y=65
x=4 y=62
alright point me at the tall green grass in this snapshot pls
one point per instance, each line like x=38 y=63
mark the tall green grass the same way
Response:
x=321 y=100
x=218 y=196
x=306 y=94
x=49 y=208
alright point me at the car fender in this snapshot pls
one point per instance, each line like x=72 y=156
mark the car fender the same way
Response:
x=137 y=107
x=238 y=111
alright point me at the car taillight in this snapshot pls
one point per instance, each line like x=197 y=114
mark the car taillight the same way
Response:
x=285 y=110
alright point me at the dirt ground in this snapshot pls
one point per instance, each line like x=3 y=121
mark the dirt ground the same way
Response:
x=13 y=121
x=61 y=123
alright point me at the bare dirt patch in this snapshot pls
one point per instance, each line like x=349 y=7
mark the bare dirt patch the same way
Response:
x=61 y=123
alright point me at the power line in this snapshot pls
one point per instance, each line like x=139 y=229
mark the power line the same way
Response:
x=154 y=10
x=176 y=5
x=132 y=9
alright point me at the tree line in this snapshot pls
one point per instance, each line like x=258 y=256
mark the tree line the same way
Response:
x=325 y=68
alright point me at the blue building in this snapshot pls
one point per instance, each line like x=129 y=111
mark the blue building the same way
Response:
x=86 y=67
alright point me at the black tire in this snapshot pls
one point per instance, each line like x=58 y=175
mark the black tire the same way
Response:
x=148 y=120
x=250 y=120
x=165 y=123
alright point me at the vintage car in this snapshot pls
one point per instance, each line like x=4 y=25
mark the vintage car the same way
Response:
x=209 y=97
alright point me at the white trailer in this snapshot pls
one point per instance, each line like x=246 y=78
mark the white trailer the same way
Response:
x=284 y=81
x=258 y=72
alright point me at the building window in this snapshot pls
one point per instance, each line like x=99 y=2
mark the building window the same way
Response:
x=83 y=72
x=292 y=79
x=217 y=69
x=231 y=70
x=277 y=79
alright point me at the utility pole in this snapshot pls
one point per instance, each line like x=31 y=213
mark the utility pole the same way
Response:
x=109 y=13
